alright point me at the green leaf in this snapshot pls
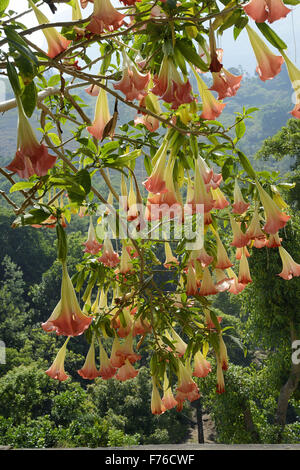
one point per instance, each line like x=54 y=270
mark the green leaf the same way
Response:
x=13 y=78
x=21 y=185
x=35 y=217
x=271 y=36
x=29 y=98
x=62 y=246
x=3 y=5
x=190 y=54
x=246 y=164
x=55 y=139
x=27 y=69
x=17 y=42
x=240 y=129
x=83 y=178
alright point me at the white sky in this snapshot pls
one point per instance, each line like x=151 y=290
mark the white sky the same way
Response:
x=235 y=52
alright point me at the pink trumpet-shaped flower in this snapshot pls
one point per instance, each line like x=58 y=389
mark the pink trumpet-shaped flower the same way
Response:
x=101 y=115
x=290 y=268
x=125 y=350
x=211 y=108
x=109 y=257
x=168 y=399
x=57 y=369
x=244 y=272
x=125 y=262
x=202 y=256
x=223 y=282
x=186 y=384
x=92 y=245
x=67 y=318
x=179 y=344
x=169 y=86
x=294 y=75
x=155 y=183
x=56 y=42
x=262 y=10
x=236 y=287
x=106 y=371
x=201 y=366
x=126 y=372
x=254 y=230
x=275 y=219
x=274 y=241
x=219 y=198
x=269 y=64
x=191 y=283
x=239 y=205
x=150 y=102
x=89 y=369
x=222 y=353
x=222 y=262
x=207 y=284
x=157 y=406
x=201 y=197
x=105 y=17
x=170 y=259
x=133 y=83
x=225 y=83
x=240 y=238
x=31 y=157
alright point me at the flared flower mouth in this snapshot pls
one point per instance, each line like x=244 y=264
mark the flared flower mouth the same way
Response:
x=105 y=17
x=266 y=10
x=67 y=318
x=225 y=84
x=268 y=64
x=133 y=83
x=275 y=219
x=290 y=268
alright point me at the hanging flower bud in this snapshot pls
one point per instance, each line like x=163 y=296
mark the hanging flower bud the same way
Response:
x=101 y=115
x=269 y=65
x=31 y=157
x=290 y=268
x=105 y=17
x=56 y=42
x=57 y=370
x=275 y=219
x=67 y=318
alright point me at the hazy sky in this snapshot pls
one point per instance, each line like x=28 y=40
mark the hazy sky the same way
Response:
x=235 y=52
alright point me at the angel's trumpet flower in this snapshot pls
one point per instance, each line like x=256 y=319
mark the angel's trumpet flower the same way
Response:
x=169 y=85
x=225 y=83
x=201 y=198
x=168 y=399
x=211 y=108
x=151 y=103
x=56 y=42
x=92 y=245
x=126 y=372
x=109 y=257
x=289 y=267
x=31 y=157
x=101 y=116
x=223 y=261
x=269 y=64
x=191 y=282
x=207 y=285
x=244 y=272
x=236 y=287
x=294 y=74
x=170 y=259
x=105 y=17
x=133 y=83
x=157 y=406
x=57 y=369
x=67 y=318
x=266 y=10
x=155 y=183
x=239 y=205
x=240 y=238
x=201 y=366
x=106 y=370
x=275 y=219
x=89 y=369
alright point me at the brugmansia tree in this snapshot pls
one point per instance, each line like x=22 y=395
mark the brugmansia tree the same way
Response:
x=155 y=58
